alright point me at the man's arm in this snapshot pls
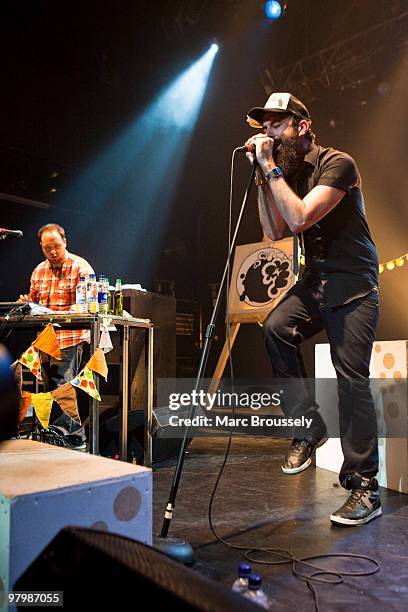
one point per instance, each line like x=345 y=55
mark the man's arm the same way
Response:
x=301 y=214
x=297 y=213
x=273 y=224
x=32 y=294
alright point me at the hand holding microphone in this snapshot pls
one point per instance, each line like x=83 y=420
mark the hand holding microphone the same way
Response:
x=259 y=147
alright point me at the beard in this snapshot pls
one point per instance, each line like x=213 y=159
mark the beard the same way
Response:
x=289 y=155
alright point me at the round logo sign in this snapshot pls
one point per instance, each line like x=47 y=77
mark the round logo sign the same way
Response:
x=263 y=276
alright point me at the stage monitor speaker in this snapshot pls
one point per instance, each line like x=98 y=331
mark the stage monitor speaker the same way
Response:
x=98 y=570
x=163 y=448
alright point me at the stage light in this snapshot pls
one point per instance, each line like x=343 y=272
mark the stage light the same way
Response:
x=129 y=188
x=274 y=9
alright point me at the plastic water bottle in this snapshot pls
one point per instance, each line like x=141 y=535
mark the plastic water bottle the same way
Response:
x=92 y=294
x=255 y=592
x=80 y=296
x=240 y=584
x=102 y=295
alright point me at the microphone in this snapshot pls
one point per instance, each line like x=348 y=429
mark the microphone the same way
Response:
x=9 y=232
x=251 y=148
x=246 y=149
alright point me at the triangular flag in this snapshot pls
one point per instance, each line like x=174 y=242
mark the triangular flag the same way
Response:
x=47 y=342
x=31 y=359
x=85 y=381
x=42 y=403
x=105 y=342
x=97 y=363
x=25 y=403
x=66 y=398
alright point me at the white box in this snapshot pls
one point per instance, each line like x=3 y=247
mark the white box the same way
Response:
x=44 y=488
x=388 y=361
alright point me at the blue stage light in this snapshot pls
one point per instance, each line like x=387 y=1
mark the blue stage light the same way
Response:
x=273 y=9
x=129 y=188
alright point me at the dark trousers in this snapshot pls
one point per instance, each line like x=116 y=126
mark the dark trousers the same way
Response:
x=57 y=372
x=351 y=331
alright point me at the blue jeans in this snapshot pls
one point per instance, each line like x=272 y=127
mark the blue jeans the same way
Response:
x=351 y=332
x=57 y=372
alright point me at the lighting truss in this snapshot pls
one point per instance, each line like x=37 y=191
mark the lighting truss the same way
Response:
x=341 y=66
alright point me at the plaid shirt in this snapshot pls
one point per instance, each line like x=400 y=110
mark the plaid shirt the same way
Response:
x=55 y=287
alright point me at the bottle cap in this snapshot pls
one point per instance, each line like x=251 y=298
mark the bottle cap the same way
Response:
x=81 y=279
x=244 y=569
x=254 y=581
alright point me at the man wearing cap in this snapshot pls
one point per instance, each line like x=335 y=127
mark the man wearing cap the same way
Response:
x=314 y=193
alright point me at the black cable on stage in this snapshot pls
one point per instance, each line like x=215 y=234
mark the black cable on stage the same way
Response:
x=279 y=556
x=23 y=312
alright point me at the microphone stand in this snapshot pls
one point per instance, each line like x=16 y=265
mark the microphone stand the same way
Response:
x=175 y=547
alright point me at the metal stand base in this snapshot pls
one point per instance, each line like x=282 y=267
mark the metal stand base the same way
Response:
x=178 y=549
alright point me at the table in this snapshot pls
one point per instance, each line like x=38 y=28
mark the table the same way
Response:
x=71 y=320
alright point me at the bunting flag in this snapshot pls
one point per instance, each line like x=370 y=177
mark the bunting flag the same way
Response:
x=97 y=363
x=31 y=359
x=85 y=381
x=42 y=403
x=24 y=404
x=105 y=341
x=47 y=342
x=66 y=398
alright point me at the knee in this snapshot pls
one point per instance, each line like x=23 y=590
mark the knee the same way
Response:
x=275 y=328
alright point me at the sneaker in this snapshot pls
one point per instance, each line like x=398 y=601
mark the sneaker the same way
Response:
x=299 y=455
x=54 y=435
x=75 y=443
x=363 y=505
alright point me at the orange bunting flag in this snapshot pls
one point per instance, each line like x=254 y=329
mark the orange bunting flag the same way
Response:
x=97 y=363
x=42 y=403
x=47 y=342
x=24 y=404
x=65 y=396
x=85 y=381
x=31 y=359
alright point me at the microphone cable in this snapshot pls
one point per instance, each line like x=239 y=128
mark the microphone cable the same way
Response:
x=277 y=556
x=23 y=309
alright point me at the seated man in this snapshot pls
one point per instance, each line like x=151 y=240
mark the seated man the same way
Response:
x=53 y=284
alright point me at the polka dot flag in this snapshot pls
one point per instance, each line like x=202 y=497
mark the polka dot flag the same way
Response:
x=31 y=359
x=85 y=381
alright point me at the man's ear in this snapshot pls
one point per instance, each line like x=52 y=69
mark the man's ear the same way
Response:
x=303 y=127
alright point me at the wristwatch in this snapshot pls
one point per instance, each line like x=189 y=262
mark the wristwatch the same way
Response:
x=276 y=172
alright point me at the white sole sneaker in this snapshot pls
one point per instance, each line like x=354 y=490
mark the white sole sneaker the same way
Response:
x=298 y=469
x=340 y=520
x=304 y=465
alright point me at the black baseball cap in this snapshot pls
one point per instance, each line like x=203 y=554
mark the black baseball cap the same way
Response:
x=277 y=103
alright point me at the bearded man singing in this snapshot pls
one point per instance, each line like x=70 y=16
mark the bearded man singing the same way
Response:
x=314 y=193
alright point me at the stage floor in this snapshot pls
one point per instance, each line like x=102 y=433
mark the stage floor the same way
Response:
x=257 y=505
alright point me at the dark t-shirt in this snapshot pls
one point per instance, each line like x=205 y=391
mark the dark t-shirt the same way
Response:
x=339 y=250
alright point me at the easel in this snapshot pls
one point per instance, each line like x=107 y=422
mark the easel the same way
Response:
x=266 y=262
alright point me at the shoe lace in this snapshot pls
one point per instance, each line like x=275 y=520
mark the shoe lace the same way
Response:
x=355 y=498
x=299 y=445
